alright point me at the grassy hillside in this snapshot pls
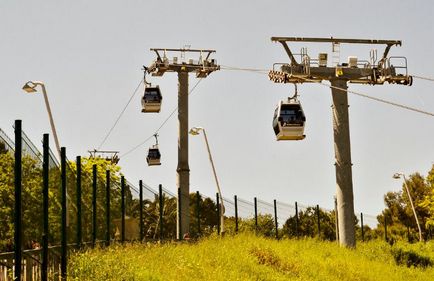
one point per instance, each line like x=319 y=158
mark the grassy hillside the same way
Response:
x=247 y=257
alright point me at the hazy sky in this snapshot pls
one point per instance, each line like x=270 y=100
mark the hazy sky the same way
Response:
x=90 y=54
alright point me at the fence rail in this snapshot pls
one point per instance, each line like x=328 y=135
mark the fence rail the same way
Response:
x=31 y=265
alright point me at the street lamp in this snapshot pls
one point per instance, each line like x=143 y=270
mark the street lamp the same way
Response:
x=30 y=87
x=195 y=131
x=398 y=176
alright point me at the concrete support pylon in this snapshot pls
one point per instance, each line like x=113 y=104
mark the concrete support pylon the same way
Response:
x=344 y=183
x=183 y=170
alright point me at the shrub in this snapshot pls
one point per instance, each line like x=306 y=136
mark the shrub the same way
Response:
x=410 y=258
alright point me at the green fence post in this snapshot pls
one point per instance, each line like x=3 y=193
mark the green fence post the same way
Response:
x=198 y=212
x=275 y=220
x=236 y=213
x=94 y=184
x=361 y=225
x=218 y=213
x=256 y=214
x=79 y=225
x=296 y=219
x=18 y=238
x=160 y=197
x=64 y=249
x=318 y=221
x=141 y=209
x=45 y=178
x=122 y=209
x=107 y=209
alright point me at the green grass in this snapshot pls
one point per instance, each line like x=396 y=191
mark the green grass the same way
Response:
x=247 y=257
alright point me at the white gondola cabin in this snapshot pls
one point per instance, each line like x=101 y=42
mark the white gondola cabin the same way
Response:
x=289 y=120
x=154 y=156
x=152 y=98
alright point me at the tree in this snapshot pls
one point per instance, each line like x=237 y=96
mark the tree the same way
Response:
x=6 y=201
x=32 y=199
x=3 y=149
x=265 y=225
x=307 y=224
x=399 y=215
x=102 y=165
x=151 y=217
x=31 y=202
x=428 y=201
x=208 y=215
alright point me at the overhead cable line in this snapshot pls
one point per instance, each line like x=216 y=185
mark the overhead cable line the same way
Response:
x=257 y=70
x=423 y=78
x=160 y=127
x=120 y=115
x=354 y=92
x=380 y=100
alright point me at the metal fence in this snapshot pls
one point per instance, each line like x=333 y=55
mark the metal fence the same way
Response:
x=91 y=209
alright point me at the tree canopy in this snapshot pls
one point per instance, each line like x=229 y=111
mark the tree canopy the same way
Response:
x=398 y=214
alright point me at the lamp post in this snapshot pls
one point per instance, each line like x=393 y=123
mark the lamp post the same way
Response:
x=30 y=87
x=398 y=176
x=195 y=131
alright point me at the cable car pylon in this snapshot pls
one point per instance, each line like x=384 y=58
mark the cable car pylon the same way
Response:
x=202 y=67
x=390 y=69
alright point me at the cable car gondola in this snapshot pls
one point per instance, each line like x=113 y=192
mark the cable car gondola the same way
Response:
x=289 y=119
x=154 y=155
x=151 y=100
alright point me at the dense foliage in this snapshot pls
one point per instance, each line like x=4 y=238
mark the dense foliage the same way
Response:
x=32 y=200
x=398 y=215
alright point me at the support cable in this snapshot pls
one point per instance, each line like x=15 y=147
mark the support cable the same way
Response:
x=380 y=100
x=261 y=71
x=423 y=78
x=256 y=70
x=120 y=115
x=352 y=92
x=160 y=127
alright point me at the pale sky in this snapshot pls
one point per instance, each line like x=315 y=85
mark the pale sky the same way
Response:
x=90 y=54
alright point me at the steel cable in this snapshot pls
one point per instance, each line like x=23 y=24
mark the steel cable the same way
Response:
x=159 y=128
x=120 y=115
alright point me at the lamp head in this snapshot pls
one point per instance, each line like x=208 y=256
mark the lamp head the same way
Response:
x=195 y=131
x=29 y=87
x=397 y=176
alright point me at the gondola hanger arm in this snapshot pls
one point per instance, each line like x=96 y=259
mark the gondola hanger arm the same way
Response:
x=294 y=97
x=156 y=138
x=145 y=71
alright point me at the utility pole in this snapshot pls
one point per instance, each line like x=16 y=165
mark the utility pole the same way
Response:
x=183 y=66
x=392 y=70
